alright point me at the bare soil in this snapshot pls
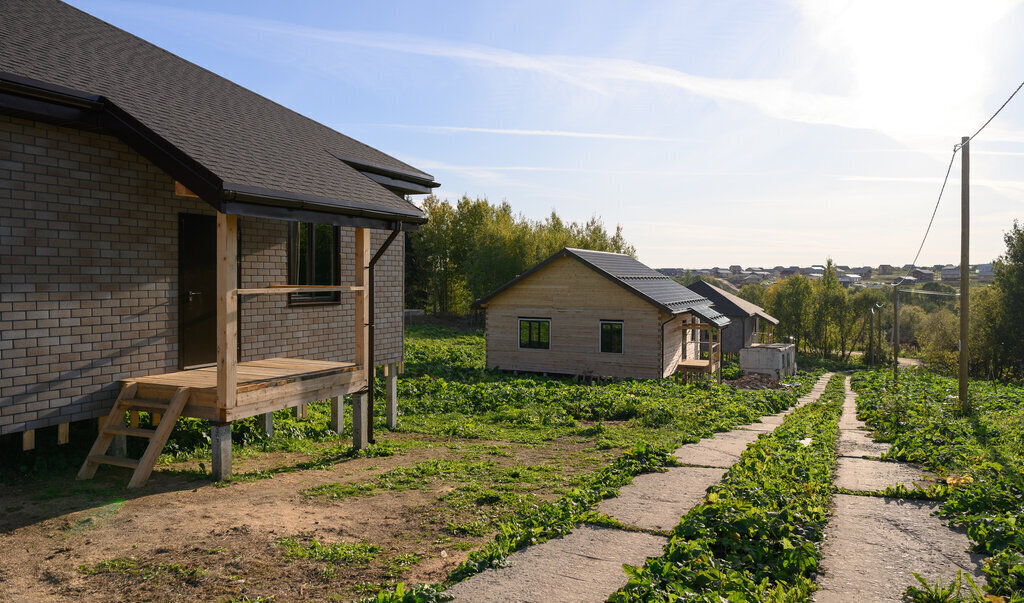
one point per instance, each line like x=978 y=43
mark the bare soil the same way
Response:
x=183 y=538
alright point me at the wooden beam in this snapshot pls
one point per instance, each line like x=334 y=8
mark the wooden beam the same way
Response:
x=227 y=310
x=182 y=191
x=391 y=373
x=362 y=313
x=28 y=439
x=283 y=289
x=63 y=433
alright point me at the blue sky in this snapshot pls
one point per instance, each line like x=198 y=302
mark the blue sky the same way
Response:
x=715 y=133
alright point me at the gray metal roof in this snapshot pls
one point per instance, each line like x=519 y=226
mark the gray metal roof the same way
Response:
x=256 y=147
x=639 y=279
x=729 y=304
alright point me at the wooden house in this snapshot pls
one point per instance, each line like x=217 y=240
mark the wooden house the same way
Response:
x=600 y=314
x=177 y=244
x=749 y=323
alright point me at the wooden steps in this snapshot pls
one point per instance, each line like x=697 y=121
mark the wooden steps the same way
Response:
x=113 y=425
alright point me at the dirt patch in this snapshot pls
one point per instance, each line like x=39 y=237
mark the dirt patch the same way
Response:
x=754 y=381
x=182 y=538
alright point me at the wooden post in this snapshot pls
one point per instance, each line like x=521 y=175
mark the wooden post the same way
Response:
x=871 y=339
x=28 y=439
x=965 y=290
x=338 y=414
x=63 y=433
x=267 y=420
x=895 y=336
x=227 y=311
x=220 y=454
x=360 y=420
x=362 y=313
x=391 y=370
x=302 y=411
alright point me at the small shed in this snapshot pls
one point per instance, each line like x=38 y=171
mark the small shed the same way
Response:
x=749 y=323
x=601 y=314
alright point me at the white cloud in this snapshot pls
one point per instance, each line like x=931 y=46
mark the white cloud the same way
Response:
x=519 y=132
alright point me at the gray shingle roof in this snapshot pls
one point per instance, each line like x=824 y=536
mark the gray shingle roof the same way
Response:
x=729 y=304
x=250 y=142
x=641 y=280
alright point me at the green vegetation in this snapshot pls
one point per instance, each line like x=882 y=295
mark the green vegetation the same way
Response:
x=755 y=536
x=471 y=248
x=147 y=572
x=979 y=456
x=359 y=553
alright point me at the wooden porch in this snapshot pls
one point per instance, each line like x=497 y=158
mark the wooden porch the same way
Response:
x=710 y=352
x=231 y=390
x=262 y=386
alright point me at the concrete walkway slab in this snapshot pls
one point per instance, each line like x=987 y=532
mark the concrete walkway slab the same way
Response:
x=585 y=565
x=866 y=475
x=873 y=545
x=656 y=501
x=722 y=450
x=858 y=443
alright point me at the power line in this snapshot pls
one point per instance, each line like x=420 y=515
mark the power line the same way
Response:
x=949 y=168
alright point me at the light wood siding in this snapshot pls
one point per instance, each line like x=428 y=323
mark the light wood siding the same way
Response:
x=673 y=345
x=576 y=299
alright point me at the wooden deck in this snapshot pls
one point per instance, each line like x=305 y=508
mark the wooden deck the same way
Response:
x=263 y=386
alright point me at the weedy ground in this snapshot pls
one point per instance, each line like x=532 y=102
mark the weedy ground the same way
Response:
x=483 y=463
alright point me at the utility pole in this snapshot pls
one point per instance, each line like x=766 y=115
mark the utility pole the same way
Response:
x=895 y=336
x=965 y=243
x=871 y=340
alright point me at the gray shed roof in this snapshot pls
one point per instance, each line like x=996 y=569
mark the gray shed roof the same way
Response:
x=729 y=304
x=644 y=282
x=226 y=143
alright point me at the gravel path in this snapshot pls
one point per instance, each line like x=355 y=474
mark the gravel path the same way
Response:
x=873 y=545
x=586 y=565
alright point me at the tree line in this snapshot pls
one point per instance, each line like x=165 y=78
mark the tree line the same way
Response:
x=823 y=318
x=469 y=248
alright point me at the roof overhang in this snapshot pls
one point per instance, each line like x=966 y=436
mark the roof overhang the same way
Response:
x=33 y=99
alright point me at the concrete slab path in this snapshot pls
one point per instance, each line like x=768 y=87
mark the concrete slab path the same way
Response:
x=873 y=545
x=586 y=564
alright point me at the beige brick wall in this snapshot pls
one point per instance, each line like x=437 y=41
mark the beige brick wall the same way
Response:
x=88 y=278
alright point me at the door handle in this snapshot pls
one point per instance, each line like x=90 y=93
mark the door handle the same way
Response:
x=192 y=294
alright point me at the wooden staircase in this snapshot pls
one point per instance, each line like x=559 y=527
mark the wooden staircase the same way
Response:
x=113 y=425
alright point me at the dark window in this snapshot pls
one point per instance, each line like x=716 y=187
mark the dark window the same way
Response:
x=535 y=333
x=611 y=336
x=313 y=260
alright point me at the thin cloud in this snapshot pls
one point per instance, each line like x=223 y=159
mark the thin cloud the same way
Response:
x=518 y=132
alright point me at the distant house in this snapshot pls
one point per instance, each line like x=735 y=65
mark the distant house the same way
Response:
x=908 y=281
x=847 y=279
x=595 y=313
x=885 y=269
x=749 y=323
x=922 y=276
x=986 y=272
x=863 y=271
x=735 y=268
x=950 y=273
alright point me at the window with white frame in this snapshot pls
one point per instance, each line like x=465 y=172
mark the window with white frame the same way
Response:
x=535 y=333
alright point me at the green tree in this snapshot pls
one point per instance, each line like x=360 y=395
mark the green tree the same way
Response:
x=753 y=293
x=1010 y=283
x=790 y=300
x=468 y=249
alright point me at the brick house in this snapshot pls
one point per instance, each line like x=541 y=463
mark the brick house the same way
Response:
x=169 y=236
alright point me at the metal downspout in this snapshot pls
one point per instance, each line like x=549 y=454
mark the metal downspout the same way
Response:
x=370 y=362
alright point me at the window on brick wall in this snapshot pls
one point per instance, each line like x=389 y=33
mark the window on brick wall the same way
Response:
x=313 y=260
